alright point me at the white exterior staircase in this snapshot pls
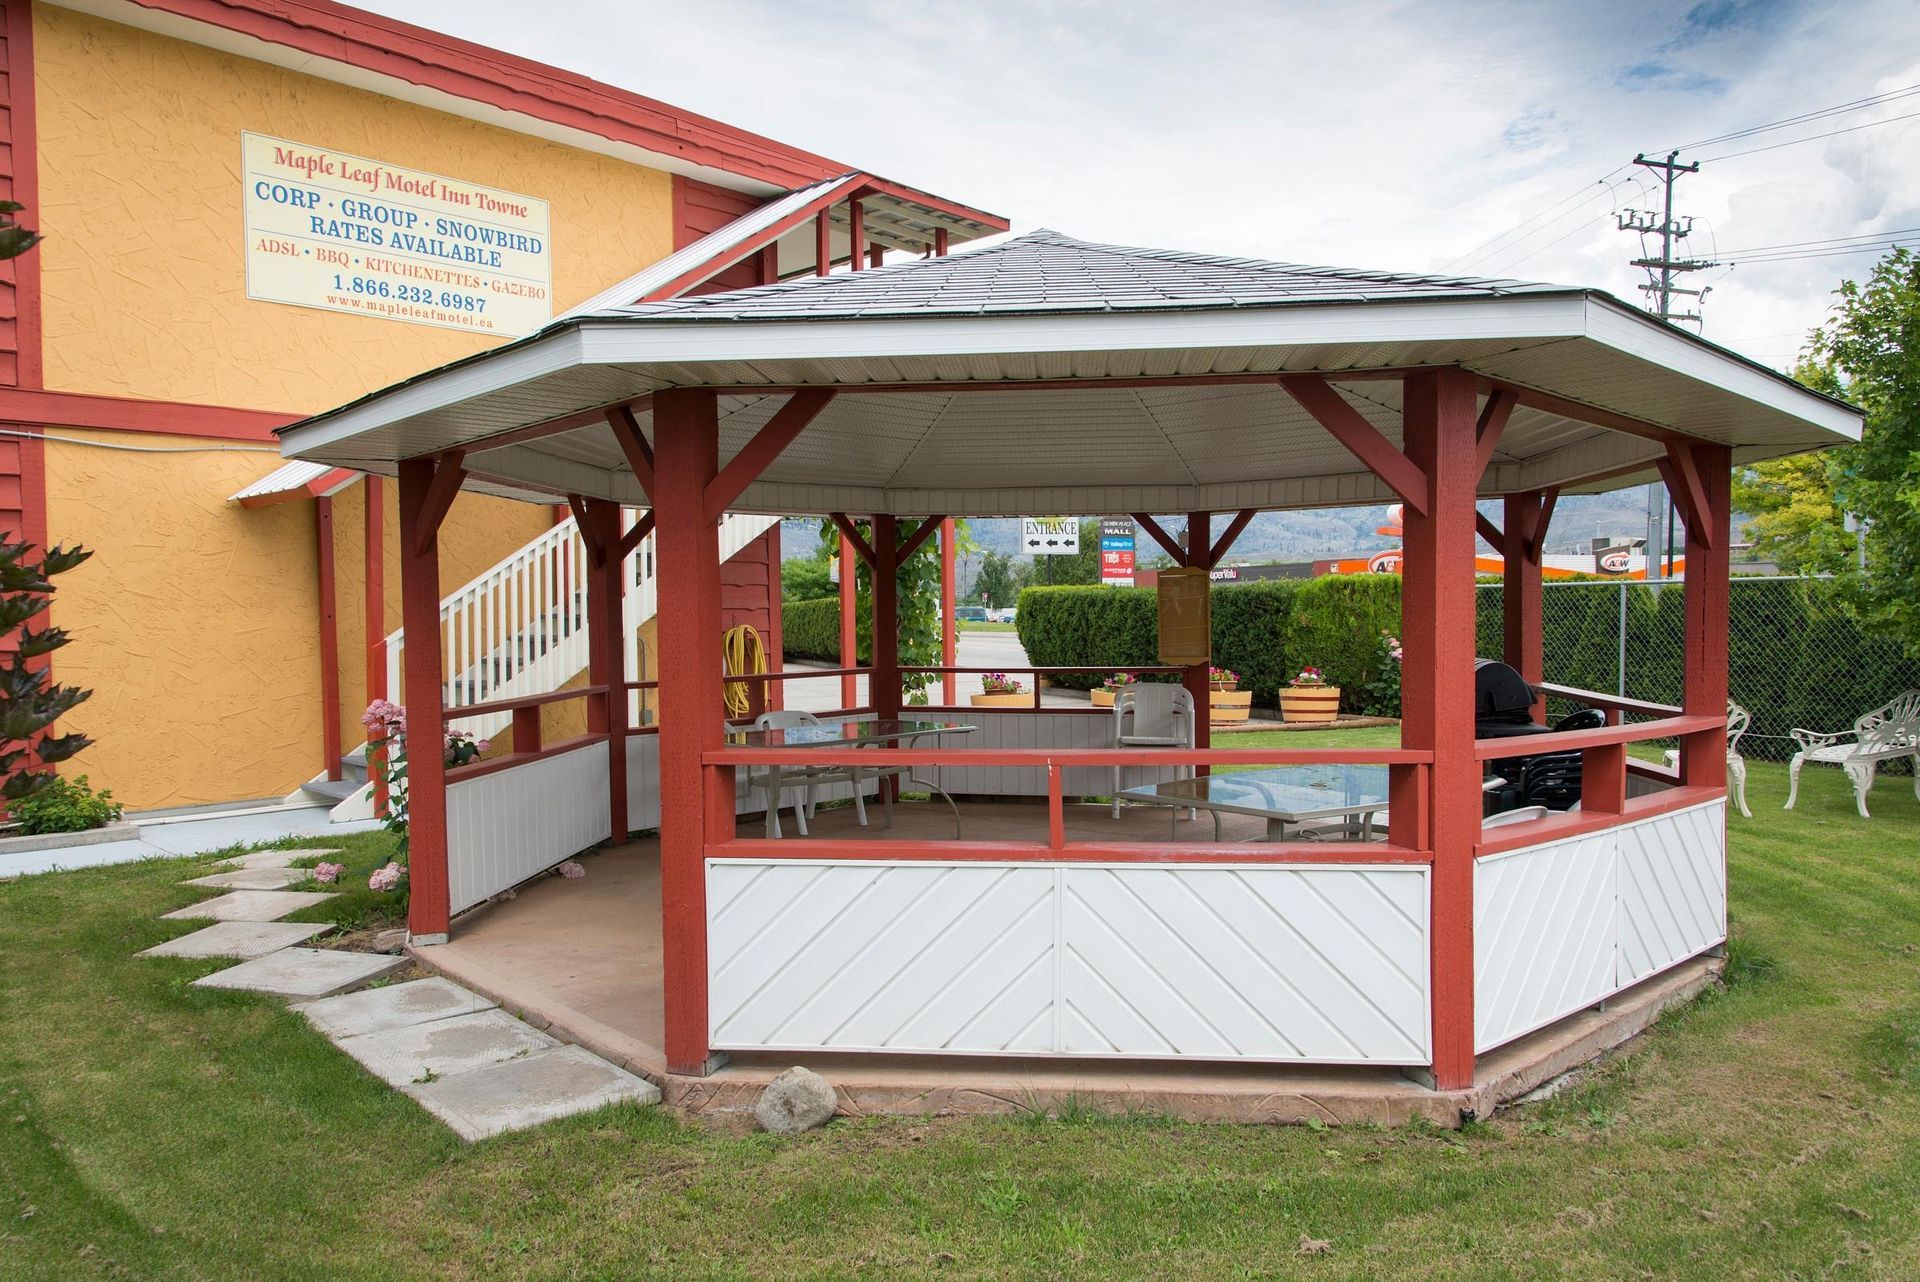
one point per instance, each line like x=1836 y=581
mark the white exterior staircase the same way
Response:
x=520 y=628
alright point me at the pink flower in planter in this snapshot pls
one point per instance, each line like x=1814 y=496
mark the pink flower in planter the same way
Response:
x=387 y=878
x=327 y=874
x=570 y=870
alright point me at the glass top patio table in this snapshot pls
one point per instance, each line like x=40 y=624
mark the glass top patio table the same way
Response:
x=1281 y=795
x=845 y=734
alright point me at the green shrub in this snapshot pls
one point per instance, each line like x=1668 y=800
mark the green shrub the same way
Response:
x=1253 y=633
x=1337 y=623
x=811 y=630
x=1086 y=626
x=65 y=805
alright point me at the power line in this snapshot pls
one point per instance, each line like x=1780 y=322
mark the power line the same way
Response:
x=1582 y=196
x=1794 y=142
x=1858 y=104
x=1501 y=257
x=1830 y=240
x=1826 y=253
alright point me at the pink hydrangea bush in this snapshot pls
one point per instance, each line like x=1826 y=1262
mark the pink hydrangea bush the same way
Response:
x=326 y=874
x=570 y=870
x=386 y=878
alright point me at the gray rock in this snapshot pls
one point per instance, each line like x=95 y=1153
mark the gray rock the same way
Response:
x=390 y=941
x=797 y=1100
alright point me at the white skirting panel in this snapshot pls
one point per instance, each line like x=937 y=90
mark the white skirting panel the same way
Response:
x=643 y=787
x=1560 y=926
x=1304 y=963
x=1066 y=729
x=504 y=827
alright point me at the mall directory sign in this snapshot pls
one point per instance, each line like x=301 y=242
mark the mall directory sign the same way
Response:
x=347 y=234
x=1116 y=551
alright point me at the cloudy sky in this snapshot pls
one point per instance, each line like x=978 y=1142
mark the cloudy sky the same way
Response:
x=1477 y=138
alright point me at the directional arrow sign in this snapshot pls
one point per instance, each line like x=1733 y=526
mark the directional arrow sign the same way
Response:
x=1050 y=535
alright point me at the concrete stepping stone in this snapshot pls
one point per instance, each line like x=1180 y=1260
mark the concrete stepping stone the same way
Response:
x=249 y=905
x=253 y=878
x=244 y=939
x=307 y=973
x=277 y=858
x=528 y=1091
x=445 y=1047
x=379 y=1010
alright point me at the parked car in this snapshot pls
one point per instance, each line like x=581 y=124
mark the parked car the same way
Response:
x=1003 y=615
x=969 y=614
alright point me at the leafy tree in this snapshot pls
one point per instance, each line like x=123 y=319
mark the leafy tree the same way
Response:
x=1869 y=350
x=807 y=578
x=29 y=704
x=995 y=582
x=1793 y=518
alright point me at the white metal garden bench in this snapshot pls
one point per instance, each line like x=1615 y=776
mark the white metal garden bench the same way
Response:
x=1888 y=733
x=1738 y=720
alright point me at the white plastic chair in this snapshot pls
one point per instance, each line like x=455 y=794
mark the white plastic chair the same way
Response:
x=1152 y=716
x=1738 y=721
x=775 y=780
x=1888 y=733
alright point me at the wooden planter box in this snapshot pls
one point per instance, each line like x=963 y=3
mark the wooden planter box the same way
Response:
x=1024 y=699
x=1310 y=704
x=1229 y=707
x=1102 y=698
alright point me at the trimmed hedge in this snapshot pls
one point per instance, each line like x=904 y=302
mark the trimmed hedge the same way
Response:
x=811 y=629
x=1337 y=622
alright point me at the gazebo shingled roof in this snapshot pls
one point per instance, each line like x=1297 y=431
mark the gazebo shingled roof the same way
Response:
x=1127 y=380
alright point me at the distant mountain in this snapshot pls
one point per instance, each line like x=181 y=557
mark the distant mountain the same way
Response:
x=1320 y=533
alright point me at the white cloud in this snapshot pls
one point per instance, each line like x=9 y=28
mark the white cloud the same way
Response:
x=1394 y=135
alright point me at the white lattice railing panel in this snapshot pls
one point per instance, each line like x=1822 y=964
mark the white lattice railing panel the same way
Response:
x=505 y=826
x=1561 y=926
x=1543 y=934
x=880 y=956
x=1320 y=963
x=1673 y=888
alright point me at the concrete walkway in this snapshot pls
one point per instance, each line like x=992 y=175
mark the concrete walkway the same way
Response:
x=169 y=835
x=475 y=1067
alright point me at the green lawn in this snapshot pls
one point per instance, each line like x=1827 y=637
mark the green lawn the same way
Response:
x=1772 y=1130
x=965 y=625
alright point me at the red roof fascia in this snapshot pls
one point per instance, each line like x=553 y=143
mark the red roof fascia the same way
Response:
x=434 y=60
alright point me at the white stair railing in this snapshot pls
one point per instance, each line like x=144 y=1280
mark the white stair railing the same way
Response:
x=520 y=627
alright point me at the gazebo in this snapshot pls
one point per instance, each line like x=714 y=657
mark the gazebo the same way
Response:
x=1051 y=375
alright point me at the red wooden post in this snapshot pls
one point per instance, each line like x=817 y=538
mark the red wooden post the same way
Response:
x=1703 y=757
x=822 y=244
x=849 y=628
x=375 y=581
x=686 y=457
x=1520 y=594
x=949 y=690
x=883 y=681
x=428 y=897
x=856 y=234
x=1197 y=678
x=607 y=657
x=1437 y=690
x=329 y=639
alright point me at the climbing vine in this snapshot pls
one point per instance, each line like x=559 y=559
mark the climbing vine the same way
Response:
x=918 y=586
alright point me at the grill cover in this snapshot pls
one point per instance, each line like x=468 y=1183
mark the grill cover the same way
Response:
x=1500 y=696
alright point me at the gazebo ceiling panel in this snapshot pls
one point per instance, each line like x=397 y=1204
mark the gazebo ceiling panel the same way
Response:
x=1046 y=309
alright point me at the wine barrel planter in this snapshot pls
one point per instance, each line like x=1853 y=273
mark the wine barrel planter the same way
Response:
x=1310 y=705
x=1229 y=707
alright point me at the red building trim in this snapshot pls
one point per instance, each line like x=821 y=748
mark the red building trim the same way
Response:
x=130 y=414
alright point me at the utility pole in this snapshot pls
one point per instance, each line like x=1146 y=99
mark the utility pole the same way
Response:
x=1662 y=271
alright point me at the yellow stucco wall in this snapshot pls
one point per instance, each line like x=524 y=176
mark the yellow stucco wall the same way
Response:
x=196 y=622
x=143 y=267
x=193 y=623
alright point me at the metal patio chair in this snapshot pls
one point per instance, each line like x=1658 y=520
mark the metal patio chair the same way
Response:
x=775 y=780
x=1738 y=722
x=1152 y=716
x=1888 y=733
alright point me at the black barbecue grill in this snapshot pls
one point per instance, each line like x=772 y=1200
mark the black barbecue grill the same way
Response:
x=1503 y=709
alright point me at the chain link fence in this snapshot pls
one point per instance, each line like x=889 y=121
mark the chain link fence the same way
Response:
x=1795 y=656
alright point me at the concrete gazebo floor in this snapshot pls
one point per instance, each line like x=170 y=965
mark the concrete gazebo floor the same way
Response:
x=581 y=959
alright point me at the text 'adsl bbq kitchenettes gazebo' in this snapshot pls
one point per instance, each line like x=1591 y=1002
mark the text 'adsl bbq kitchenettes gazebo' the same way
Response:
x=1050 y=375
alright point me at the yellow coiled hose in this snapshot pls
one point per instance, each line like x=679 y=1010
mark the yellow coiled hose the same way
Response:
x=742 y=653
